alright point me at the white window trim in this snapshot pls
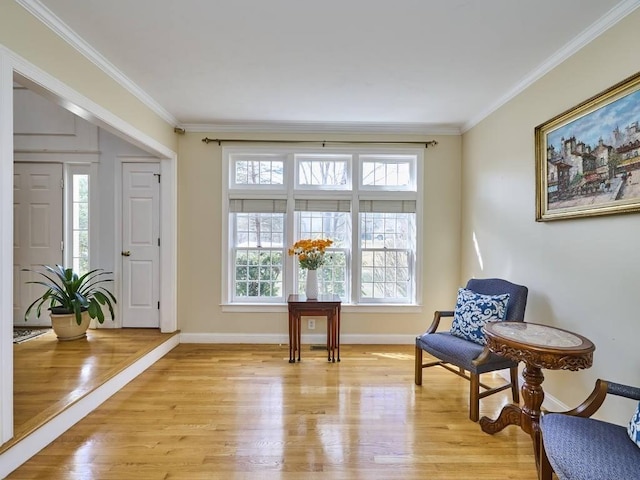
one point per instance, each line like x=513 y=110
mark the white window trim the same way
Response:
x=291 y=190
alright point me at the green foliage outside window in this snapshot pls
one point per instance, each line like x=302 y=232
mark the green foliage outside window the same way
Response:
x=258 y=273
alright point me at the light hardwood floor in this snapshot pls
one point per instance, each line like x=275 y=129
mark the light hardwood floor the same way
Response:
x=49 y=375
x=244 y=412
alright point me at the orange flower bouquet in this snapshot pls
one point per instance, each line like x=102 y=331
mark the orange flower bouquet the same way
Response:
x=311 y=253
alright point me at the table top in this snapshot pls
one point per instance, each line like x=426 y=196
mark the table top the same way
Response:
x=535 y=334
x=322 y=298
x=544 y=345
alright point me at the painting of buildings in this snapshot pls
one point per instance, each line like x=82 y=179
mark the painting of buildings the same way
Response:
x=595 y=159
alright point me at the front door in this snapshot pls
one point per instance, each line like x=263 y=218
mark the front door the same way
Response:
x=37 y=232
x=140 y=245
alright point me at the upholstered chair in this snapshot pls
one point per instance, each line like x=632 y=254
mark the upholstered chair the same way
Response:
x=459 y=354
x=577 y=447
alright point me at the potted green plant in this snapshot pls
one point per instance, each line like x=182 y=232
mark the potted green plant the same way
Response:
x=73 y=299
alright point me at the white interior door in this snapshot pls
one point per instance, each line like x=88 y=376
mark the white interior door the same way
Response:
x=140 y=245
x=37 y=231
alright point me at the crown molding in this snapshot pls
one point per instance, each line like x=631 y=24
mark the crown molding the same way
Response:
x=48 y=18
x=322 y=127
x=612 y=17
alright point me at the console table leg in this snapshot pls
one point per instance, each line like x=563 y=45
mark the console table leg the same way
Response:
x=299 y=342
x=292 y=352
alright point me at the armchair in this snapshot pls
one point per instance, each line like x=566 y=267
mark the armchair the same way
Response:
x=577 y=447
x=459 y=355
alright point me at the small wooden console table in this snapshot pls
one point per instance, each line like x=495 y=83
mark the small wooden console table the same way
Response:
x=325 y=305
x=538 y=346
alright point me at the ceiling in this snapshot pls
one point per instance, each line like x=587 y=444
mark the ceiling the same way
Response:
x=403 y=65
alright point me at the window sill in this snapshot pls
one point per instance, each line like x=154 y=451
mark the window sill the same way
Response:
x=346 y=308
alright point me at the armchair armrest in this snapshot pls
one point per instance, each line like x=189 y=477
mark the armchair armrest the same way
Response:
x=598 y=395
x=483 y=357
x=438 y=314
x=623 y=390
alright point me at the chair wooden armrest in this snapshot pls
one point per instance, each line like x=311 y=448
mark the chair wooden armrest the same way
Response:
x=437 y=315
x=483 y=357
x=598 y=395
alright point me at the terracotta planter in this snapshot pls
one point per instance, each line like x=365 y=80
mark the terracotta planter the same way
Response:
x=66 y=327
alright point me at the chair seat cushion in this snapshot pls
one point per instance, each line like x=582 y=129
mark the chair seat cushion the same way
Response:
x=460 y=352
x=473 y=311
x=589 y=449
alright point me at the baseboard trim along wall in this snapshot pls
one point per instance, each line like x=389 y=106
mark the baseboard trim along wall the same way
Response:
x=278 y=339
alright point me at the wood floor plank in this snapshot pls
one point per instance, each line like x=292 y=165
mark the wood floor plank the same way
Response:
x=243 y=412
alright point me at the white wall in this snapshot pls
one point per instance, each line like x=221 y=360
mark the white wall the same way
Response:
x=582 y=274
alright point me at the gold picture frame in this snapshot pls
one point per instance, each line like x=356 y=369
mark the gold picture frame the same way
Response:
x=588 y=158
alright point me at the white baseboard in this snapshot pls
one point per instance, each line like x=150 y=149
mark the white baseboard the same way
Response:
x=22 y=451
x=283 y=339
x=552 y=404
x=549 y=403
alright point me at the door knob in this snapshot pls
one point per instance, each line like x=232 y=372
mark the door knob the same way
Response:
x=126 y=253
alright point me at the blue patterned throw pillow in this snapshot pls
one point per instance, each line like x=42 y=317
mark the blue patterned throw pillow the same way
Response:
x=473 y=310
x=634 y=427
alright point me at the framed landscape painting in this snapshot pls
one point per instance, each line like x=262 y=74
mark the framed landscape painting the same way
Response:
x=588 y=158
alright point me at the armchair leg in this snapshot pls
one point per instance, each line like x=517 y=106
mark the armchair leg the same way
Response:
x=515 y=391
x=545 y=470
x=474 y=396
x=418 y=367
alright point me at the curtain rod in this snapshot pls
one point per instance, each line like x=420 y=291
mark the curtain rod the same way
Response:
x=427 y=144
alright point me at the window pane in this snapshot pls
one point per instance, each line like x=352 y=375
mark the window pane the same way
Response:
x=387 y=240
x=258 y=273
x=80 y=216
x=322 y=170
x=81 y=188
x=385 y=274
x=332 y=277
x=387 y=230
x=335 y=226
x=80 y=223
x=259 y=229
x=387 y=171
x=258 y=169
x=257 y=264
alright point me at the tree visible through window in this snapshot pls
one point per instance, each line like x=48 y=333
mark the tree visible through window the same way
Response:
x=80 y=223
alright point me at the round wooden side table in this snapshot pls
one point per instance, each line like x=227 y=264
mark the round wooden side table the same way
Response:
x=538 y=346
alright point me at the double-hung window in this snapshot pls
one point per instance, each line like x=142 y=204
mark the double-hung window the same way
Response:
x=365 y=200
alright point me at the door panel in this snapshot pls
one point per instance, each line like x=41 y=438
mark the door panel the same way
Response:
x=37 y=233
x=140 y=245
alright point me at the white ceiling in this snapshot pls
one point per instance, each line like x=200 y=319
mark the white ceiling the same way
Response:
x=427 y=65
